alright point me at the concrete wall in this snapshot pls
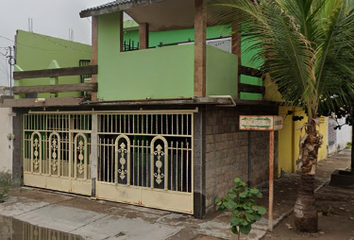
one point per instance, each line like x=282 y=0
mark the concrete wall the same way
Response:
x=231 y=153
x=344 y=135
x=36 y=51
x=288 y=146
x=5 y=143
x=157 y=73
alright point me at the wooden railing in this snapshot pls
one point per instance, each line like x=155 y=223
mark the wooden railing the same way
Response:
x=250 y=88
x=54 y=74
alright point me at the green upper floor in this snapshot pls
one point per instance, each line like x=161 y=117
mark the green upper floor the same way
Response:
x=160 y=55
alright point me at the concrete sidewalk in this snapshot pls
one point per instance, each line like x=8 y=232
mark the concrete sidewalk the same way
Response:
x=98 y=220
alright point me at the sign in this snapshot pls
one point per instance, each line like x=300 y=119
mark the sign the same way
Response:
x=261 y=123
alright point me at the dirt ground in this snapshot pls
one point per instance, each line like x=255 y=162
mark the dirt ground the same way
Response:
x=335 y=207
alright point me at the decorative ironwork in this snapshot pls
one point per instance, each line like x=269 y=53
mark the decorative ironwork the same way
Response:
x=122 y=172
x=36 y=145
x=80 y=165
x=54 y=155
x=159 y=153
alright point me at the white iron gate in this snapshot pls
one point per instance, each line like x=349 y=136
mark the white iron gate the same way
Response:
x=143 y=157
x=146 y=158
x=57 y=152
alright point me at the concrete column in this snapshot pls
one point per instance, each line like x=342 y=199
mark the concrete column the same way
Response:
x=199 y=164
x=17 y=163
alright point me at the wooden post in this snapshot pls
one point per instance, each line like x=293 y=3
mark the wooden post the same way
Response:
x=236 y=49
x=271 y=179
x=54 y=80
x=144 y=35
x=200 y=26
x=94 y=53
x=236 y=41
x=121 y=31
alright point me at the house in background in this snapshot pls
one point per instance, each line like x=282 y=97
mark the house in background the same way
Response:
x=6 y=136
x=155 y=127
x=36 y=52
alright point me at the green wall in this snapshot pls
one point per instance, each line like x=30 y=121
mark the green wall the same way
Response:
x=166 y=72
x=221 y=68
x=35 y=51
x=161 y=72
x=175 y=36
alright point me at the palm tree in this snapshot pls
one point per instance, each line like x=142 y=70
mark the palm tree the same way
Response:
x=307 y=47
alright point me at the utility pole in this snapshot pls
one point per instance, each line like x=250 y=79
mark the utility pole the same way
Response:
x=12 y=62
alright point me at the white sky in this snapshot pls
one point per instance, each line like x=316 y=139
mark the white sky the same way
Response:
x=50 y=17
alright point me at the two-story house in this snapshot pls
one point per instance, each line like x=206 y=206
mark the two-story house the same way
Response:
x=160 y=125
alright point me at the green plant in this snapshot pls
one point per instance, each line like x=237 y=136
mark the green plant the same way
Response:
x=5 y=185
x=241 y=203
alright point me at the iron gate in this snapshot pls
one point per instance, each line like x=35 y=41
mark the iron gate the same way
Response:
x=57 y=152
x=146 y=158
x=143 y=157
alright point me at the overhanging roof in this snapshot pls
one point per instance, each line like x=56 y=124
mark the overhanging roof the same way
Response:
x=159 y=14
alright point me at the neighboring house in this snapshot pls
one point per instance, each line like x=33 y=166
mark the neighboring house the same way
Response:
x=6 y=136
x=160 y=125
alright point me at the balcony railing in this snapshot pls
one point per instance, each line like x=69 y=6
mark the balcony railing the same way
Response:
x=55 y=74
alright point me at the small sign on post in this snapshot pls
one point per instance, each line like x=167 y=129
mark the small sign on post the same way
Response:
x=261 y=123
x=271 y=124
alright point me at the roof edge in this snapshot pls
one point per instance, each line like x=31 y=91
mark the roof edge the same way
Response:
x=104 y=9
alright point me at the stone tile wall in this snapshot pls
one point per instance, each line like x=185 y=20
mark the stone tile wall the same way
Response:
x=228 y=152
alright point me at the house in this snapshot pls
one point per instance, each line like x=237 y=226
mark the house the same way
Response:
x=294 y=117
x=154 y=127
x=6 y=134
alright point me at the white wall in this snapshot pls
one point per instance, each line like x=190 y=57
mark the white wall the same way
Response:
x=344 y=135
x=5 y=143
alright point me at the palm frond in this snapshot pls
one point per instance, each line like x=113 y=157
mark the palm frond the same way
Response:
x=287 y=55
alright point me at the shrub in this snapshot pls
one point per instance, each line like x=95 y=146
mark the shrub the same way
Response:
x=5 y=185
x=241 y=203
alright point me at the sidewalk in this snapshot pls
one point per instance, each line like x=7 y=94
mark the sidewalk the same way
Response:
x=98 y=220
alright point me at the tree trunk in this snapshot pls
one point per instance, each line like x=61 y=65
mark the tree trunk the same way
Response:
x=305 y=213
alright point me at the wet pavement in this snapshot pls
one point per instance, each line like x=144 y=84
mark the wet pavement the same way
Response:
x=103 y=220
x=13 y=229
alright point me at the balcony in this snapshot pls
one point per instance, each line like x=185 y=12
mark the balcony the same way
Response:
x=150 y=74
x=164 y=72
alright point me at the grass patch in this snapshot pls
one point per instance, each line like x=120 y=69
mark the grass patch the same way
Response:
x=5 y=185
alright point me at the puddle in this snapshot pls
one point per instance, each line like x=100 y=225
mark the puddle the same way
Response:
x=13 y=229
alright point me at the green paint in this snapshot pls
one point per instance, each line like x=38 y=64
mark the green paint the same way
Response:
x=44 y=50
x=161 y=72
x=185 y=35
x=166 y=72
x=221 y=72
x=173 y=36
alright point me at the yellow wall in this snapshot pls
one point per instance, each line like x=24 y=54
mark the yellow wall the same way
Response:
x=289 y=138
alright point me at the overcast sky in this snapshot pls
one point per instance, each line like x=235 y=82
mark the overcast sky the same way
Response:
x=50 y=17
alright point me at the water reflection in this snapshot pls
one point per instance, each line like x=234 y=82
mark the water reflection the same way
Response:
x=12 y=229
